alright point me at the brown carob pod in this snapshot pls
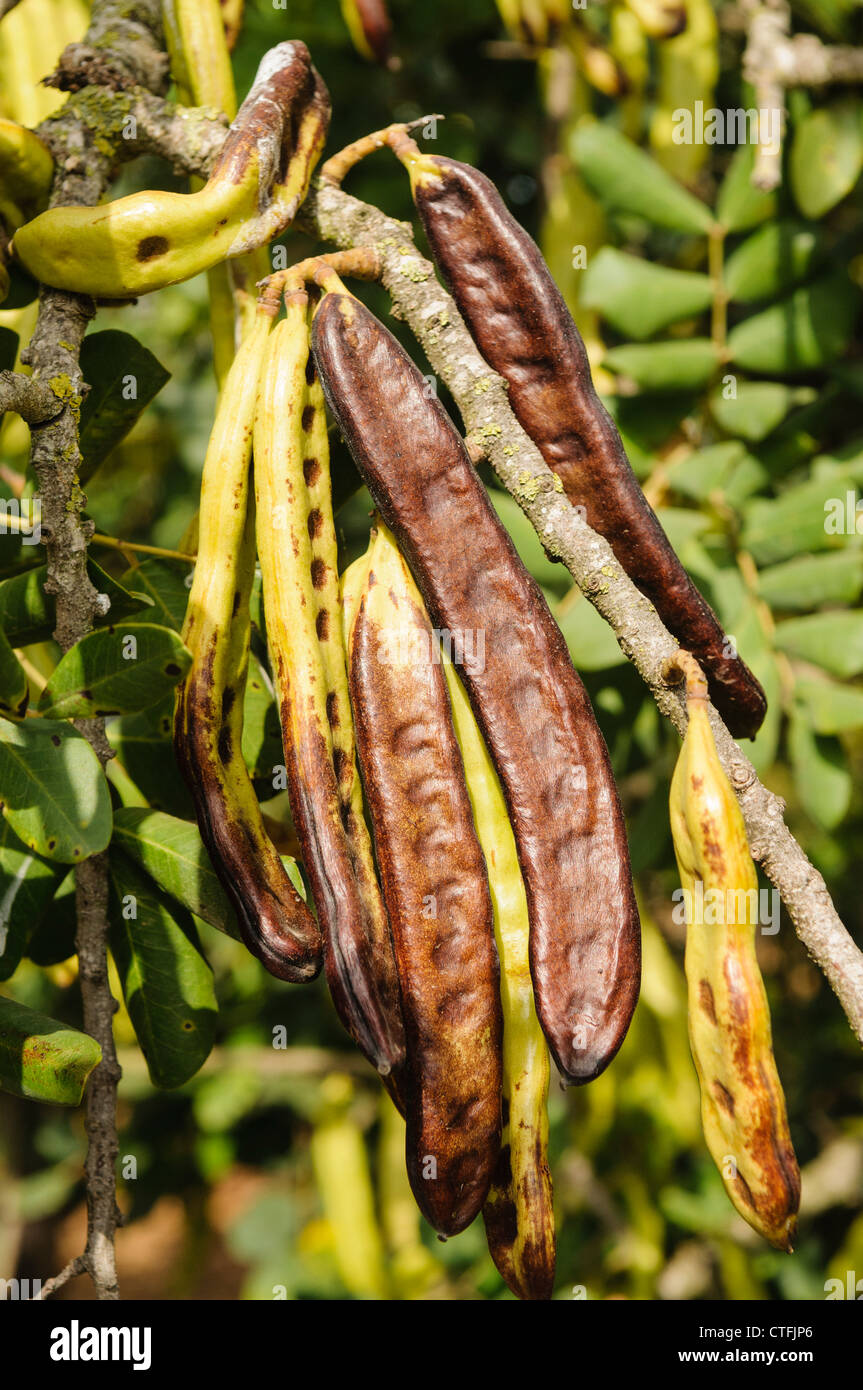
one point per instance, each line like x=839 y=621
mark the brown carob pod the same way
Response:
x=274 y=921
x=529 y=702
x=296 y=545
x=433 y=877
x=521 y=325
x=370 y=28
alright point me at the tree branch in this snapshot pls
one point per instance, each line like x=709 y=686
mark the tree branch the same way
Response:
x=127 y=40
x=31 y=400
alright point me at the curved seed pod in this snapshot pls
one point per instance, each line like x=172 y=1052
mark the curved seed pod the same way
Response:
x=370 y=28
x=343 y=1178
x=275 y=923
x=232 y=19
x=528 y=700
x=197 y=47
x=435 y=888
x=33 y=35
x=660 y=19
x=518 y=1214
x=26 y=172
x=324 y=793
x=742 y=1103
x=148 y=240
x=524 y=330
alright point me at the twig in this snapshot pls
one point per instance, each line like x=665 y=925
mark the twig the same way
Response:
x=114 y=544
x=33 y=401
x=766 y=66
x=128 y=40
x=72 y=1270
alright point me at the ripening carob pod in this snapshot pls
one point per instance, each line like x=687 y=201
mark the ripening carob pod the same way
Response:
x=528 y=700
x=518 y=1213
x=275 y=923
x=525 y=332
x=148 y=240
x=296 y=545
x=742 y=1103
x=370 y=28
x=434 y=884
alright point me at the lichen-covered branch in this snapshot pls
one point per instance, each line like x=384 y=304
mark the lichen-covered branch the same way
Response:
x=123 y=42
x=30 y=399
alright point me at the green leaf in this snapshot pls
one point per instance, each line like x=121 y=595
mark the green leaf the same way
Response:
x=772 y=260
x=142 y=742
x=41 y=1058
x=123 y=377
x=167 y=983
x=666 y=366
x=830 y=708
x=116 y=671
x=787 y=526
x=262 y=733
x=27 y=614
x=54 y=792
x=756 y=408
x=163 y=583
x=740 y=206
x=811 y=328
x=27 y=886
x=53 y=940
x=14 y=686
x=822 y=778
x=550 y=575
x=639 y=298
x=826 y=157
x=833 y=641
x=591 y=642
x=727 y=469
x=628 y=180
x=810 y=580
x=172 y=852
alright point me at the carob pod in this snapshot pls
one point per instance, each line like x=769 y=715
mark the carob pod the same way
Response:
x=518 y=1212
x=521 y=325
x=370 y=28
x=274 y=921
x=530 y=704
x=296 y=545
x=433 y=877
x=148 y=240
x=742 y=1103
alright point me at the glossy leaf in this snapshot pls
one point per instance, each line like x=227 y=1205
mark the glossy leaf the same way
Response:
x=639 y=298
x=123 y=377
x=830 y=708
x=810 y=580
x=172 y=853
x=772 y=260
x=165 y=584
x=822 y=778
x=53 y=789
x=826 y=156
x=53 y=940
x=811 y=328
x=116 y=671
x=142 y=742
x=27 y=614
x=41 y=1058
x=27 y=885
x=167 y=983
x=666 y=366
x=833 y=641
x=627 y=180
x=755 y=410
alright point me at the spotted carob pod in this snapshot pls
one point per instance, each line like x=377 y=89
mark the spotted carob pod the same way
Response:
x=274 y=921
x=296 y=546
x=147 y=240
x=742 y=1103
x=529 y=702
x=518 y=1212
x=434 y=884
x=521 y=325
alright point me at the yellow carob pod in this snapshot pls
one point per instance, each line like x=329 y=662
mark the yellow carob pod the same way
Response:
x=742 y=1103
x=32 y=37
x=275 y=923
x=26 y=171
x=296 y=545
x=148 y=240
x=688 y=72
x=343 y=1178
x=518 y=1213
x=660 y=19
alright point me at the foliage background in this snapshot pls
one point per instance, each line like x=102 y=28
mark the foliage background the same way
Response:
x=243 y=1174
